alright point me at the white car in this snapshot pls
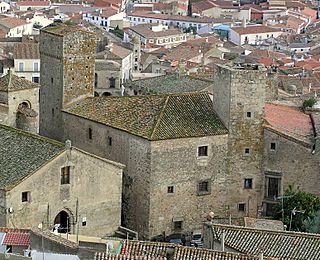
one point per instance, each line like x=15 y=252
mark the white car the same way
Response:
x=196 y=239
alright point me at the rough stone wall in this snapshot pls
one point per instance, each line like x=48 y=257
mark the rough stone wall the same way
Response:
x=239 y=92
x=94 y=182
x=51 y=91
x=78 y=62
x=67 y=75
x=176 y=163
x=15 y=98
x=295 y=162
x=272 y=87
x=132 y=151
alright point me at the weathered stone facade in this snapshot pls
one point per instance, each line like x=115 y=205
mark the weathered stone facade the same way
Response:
x=239 y=99
x=94 y=194
x=67 y=73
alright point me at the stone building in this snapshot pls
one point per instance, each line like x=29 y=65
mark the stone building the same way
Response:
x=185 y=154
x=174 y=148
x=44 y=182
x=67 y=73
x=19 y=102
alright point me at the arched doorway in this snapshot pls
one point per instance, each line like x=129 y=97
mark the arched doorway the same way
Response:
x=63 y=219
x=106 y=94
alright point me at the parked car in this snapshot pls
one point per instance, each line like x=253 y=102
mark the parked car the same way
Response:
x=177 y=238
x=196 y=238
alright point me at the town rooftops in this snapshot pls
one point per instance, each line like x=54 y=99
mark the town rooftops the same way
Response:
x=11 y=82
x=289 y=121
x=11 y=22
x=172 y=17
x=256 y=29
x=16 y=239
x=34 y=3
x=146 y=30
x=154 y=117
x=22 y=153
x=26 y=51
x=277 y=244
x=167 y=84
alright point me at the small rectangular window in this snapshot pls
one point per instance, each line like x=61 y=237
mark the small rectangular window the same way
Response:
x=203 y=187
x=110 y=140
x=248 y=114
x=177 y=225
x=25 y=196
x=248 y=183
x=90 y=133
x=272 y=146
x=36 y=66
x=247 y=151
x=242 y=207
x=170 y=189
x=203 y=150
x=36 y=79
x=65 y=175
x=21 y=66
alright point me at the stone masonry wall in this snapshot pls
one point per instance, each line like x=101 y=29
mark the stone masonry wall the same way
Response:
x=176 y=163
x=95 y=183
x=132 y=151
x=243 y=91
x=296 y=163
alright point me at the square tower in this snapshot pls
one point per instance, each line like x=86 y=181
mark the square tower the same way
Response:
x=67 y=73
x=239 y=96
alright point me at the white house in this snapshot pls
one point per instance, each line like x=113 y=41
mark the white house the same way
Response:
x=180 y=21
x=254 y=35
x=26 y=59
x=103 y=17
x=15 y=27
x=4 y=7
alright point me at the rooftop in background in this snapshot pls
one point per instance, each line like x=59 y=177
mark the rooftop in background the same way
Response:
x=169 y=84
x=22 y=153
x=11 y=82
x=26 y=51
x=278 y=244
x=154 y=30
x=289 y=121
x=154 y=117
x=254 y=29
x=11 y=22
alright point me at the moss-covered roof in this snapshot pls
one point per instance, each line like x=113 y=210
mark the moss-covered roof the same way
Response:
x=22 y=153
x=63 y=28
x=154 y=117
x=11 y=82
x=168 y=84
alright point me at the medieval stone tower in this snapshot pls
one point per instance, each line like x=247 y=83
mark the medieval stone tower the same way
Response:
x=136 y=53
x=239 y=99
x=67 y=73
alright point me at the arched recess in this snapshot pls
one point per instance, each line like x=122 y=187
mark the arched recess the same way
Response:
x=65 y=221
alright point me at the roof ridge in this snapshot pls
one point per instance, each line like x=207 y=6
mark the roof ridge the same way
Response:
x=159 y=117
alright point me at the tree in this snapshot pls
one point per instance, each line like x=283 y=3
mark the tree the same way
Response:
x=298 y=206
x=313 y=225
x=309 y=103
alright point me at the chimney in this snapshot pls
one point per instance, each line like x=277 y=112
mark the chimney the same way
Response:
x=244 y=23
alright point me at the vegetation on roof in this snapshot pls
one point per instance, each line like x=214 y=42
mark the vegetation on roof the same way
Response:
x=22 y=153
x=154 y=117
x=168 y=84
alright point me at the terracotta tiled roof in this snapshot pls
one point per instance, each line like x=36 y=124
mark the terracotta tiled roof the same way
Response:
x=254 y=29
x=17 y=239
x=289 y=121
x=309 y=64
x=102 y=256
x=120 y=51
x=11 y=22
x=201 y=40
x=26 y=51
x=13 y=230
x=183 y=52
x=278 y=244
x=149 y=249
x=33 y=3
x=11 y=82
x=202 y=6
x=154 y=117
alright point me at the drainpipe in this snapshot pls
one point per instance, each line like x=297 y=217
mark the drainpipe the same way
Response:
x=222 y=240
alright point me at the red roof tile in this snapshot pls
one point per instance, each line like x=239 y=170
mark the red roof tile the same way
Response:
x=33 y=3
x=17 y=239
x=289 y=120
x=254 y=29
